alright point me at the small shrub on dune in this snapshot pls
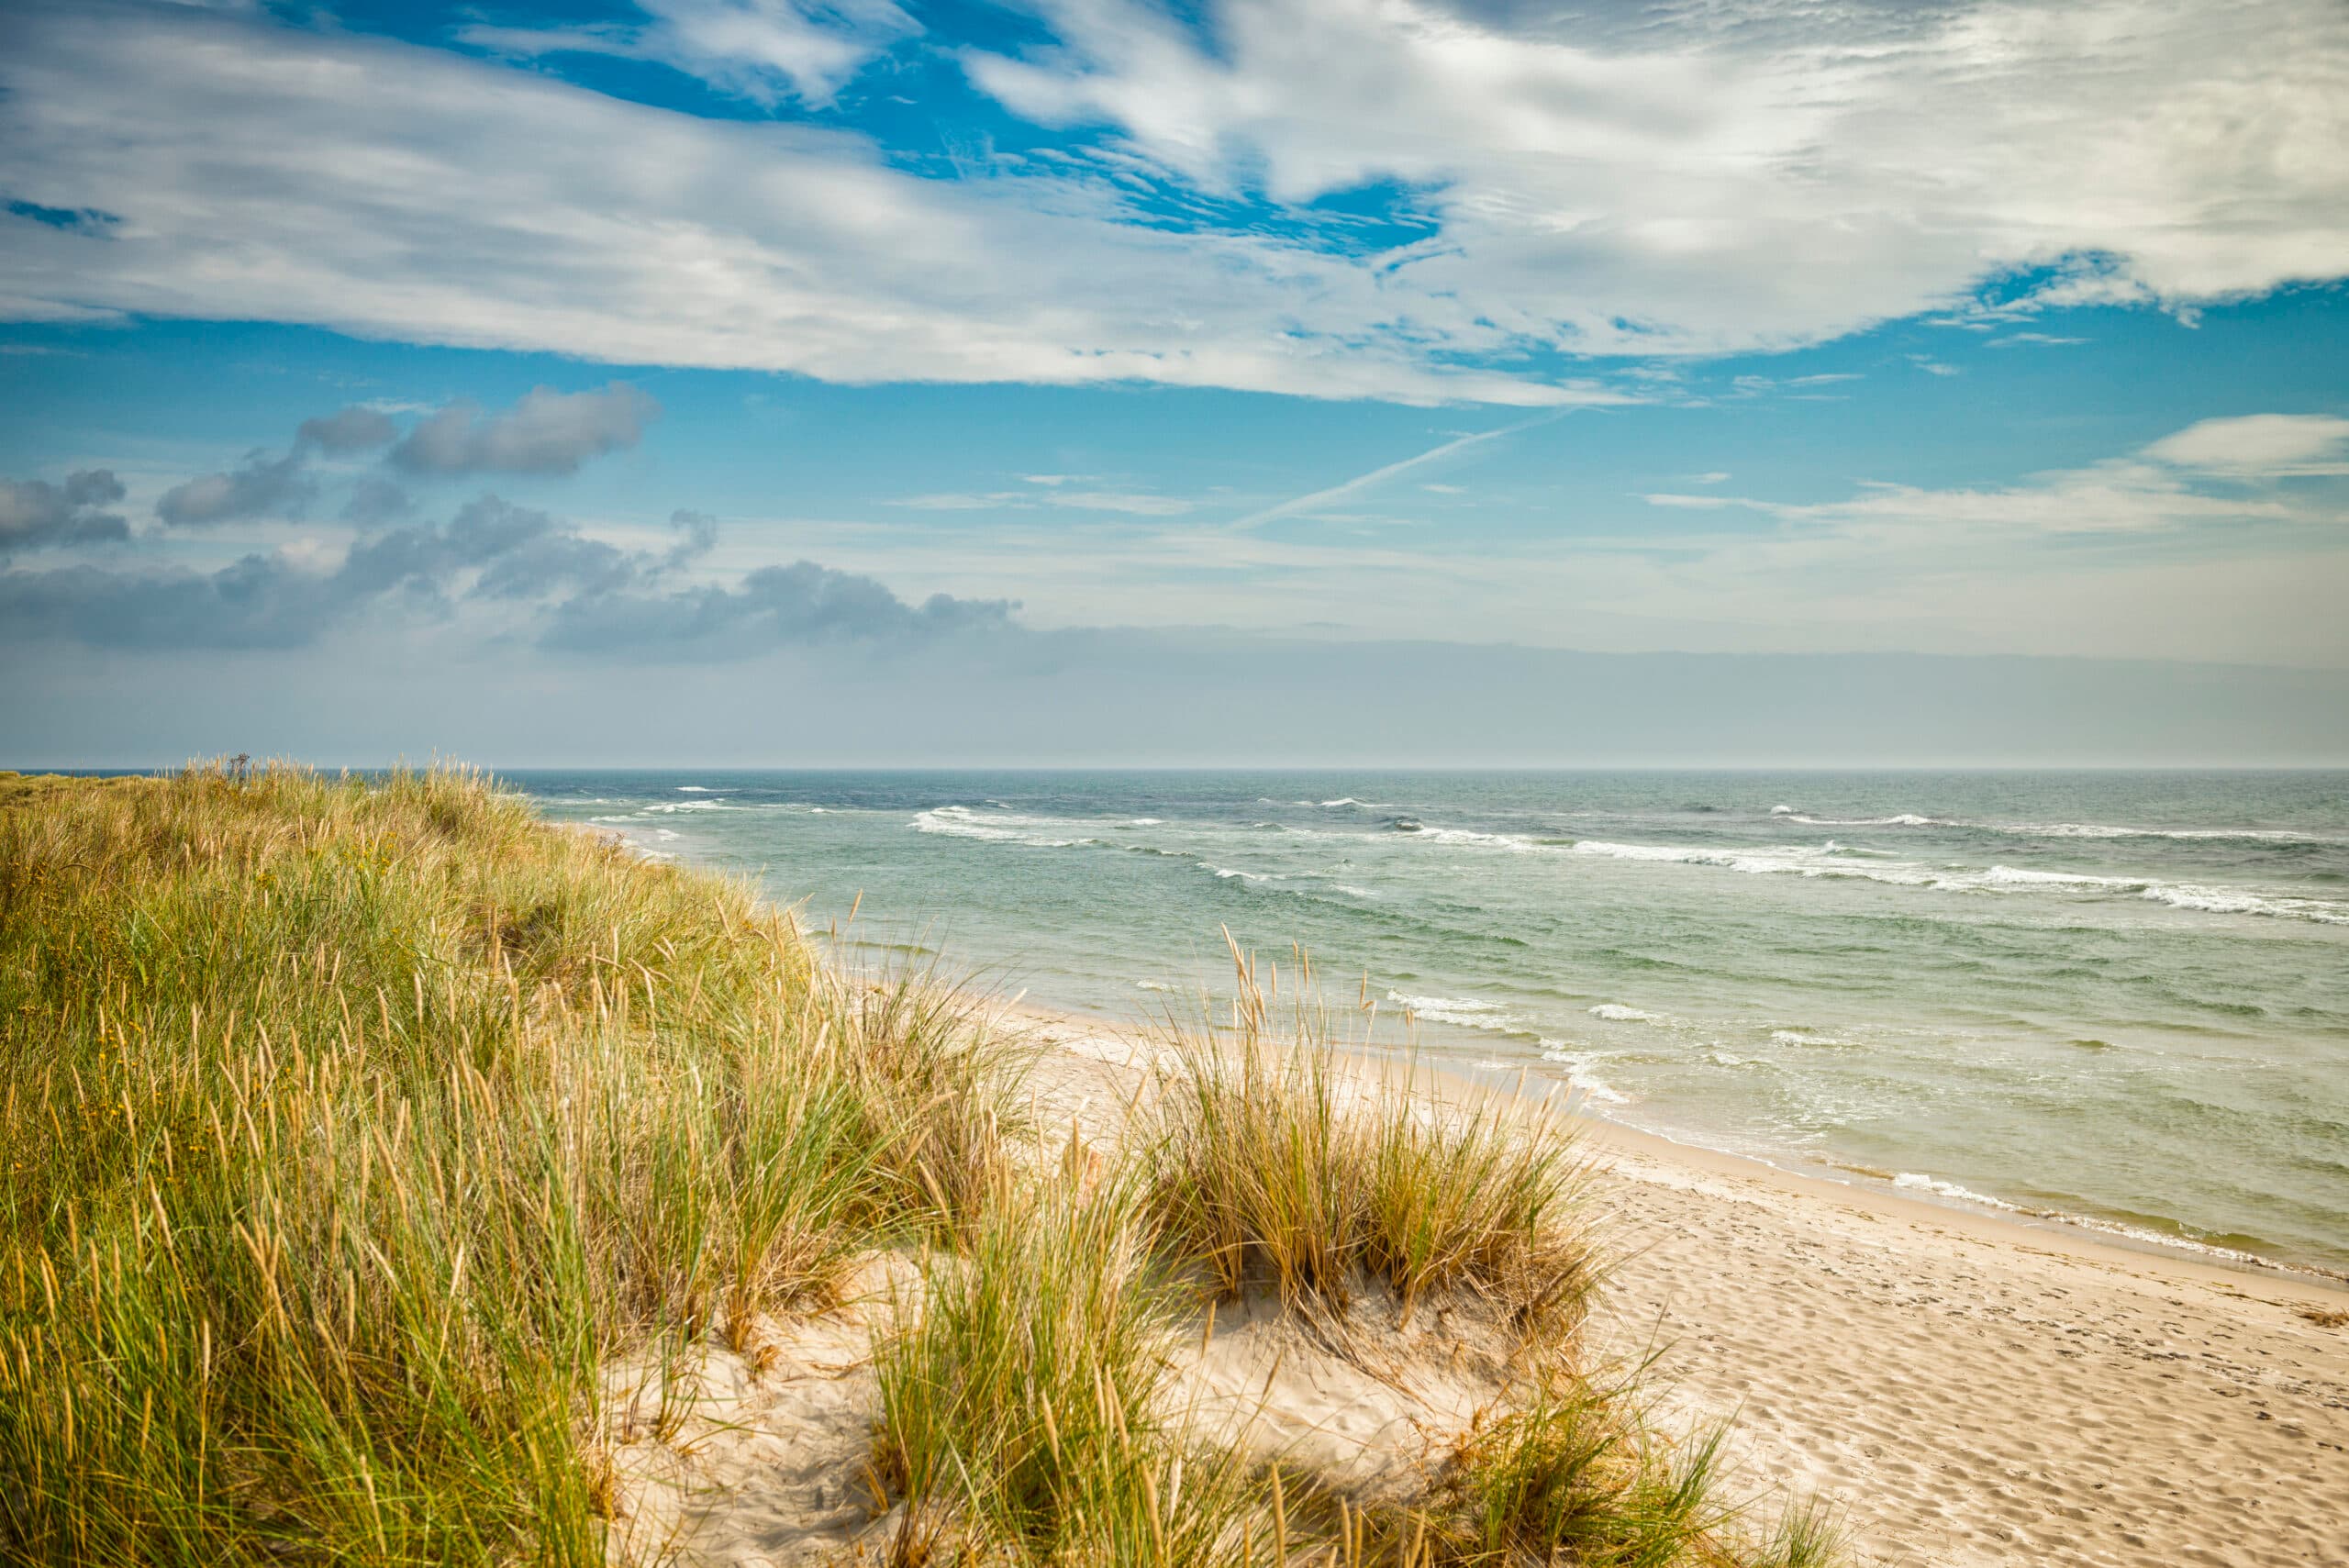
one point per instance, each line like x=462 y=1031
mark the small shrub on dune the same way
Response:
x=1270 y=1165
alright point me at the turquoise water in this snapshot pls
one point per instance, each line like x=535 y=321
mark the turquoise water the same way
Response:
x=2120 y=997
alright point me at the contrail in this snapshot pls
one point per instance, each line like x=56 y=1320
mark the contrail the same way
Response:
x=1365 y=480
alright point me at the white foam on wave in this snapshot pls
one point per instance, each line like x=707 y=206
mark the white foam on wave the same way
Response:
x=1803 y=1037
x=665 y=807
x=1146 y=822
x=1903 y=820
x=697 y=789
x=2230 y=901
x=1462 y=836
x=1464 y=1011
x=1829 y=861
x=1781 y=811
x=962 y=822
x=1915 y=1181
x=1615 y=1013
x=2211 y=835
x=1357 y=891
x=1341 y=800
x=1152 y=985
x=1579 y=1077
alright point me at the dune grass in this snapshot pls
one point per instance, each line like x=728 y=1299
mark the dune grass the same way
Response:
x=1271 y=1165
x=1025 y=1410
x=350 y=1132
x=351 y=1127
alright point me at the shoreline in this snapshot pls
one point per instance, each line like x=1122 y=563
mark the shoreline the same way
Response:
x=2082 y=1237
x=1961 y=1389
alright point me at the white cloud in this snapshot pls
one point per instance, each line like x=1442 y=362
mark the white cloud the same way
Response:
x=761 y=50
x=2260 y=444
x=1745 y=175
x=266 y=173
x=1748 y=174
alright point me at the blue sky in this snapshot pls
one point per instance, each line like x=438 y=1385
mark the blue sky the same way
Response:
x=522 y=354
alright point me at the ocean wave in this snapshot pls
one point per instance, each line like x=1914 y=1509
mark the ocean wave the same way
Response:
x=1418 y=829
x=1805 y=861
x=1341 y=800
x=698 y=789
x=1579 y=1076
x=2189 y=835
x=962 y=822
x=1464 y=1012
x=1803 y=1037
x=665 y=807
x=1615 y=1013
x=1915 y=1181
x=2069 y=830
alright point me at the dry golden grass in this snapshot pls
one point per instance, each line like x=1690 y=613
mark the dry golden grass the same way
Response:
x=350 y=1131
x=351 y=1127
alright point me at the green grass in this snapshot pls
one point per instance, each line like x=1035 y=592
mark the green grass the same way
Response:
x=349 y=1128
x=1025 y=1411
x=351 y=1133
x=1271 y=1165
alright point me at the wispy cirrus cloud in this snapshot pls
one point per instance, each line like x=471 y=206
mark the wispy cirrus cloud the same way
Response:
x=765 y=50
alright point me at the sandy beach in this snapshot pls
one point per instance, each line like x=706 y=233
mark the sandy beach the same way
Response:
x=1974 y=1391
x=1963 y=1390
x=1966 y=1389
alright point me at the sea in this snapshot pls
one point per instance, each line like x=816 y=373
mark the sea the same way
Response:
x=2116 y=1000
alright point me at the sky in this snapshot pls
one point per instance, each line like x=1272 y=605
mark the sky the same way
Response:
x=1072 y=381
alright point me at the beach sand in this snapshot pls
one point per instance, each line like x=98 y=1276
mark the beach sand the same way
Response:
x=1963 y=1389
x=1975 y=1391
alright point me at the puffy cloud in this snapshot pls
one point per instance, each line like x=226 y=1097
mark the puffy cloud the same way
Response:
x=762 y=50
x=375 y=500
x=696 y=535
x=355 y=429
x=264 y=486
x=773 y=606
x=261 y=601
x=593 y=596
x=34 y=513
x=547 y=432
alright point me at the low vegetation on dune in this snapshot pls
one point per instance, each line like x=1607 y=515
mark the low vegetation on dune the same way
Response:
x=352 y=1131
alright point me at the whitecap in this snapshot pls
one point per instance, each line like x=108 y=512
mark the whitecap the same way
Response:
x=1464 y=1011
x=962 y=822
x=1579 y=1076
x=1615 y=1013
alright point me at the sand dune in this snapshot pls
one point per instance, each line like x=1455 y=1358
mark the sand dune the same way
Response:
x=1967 y=1390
